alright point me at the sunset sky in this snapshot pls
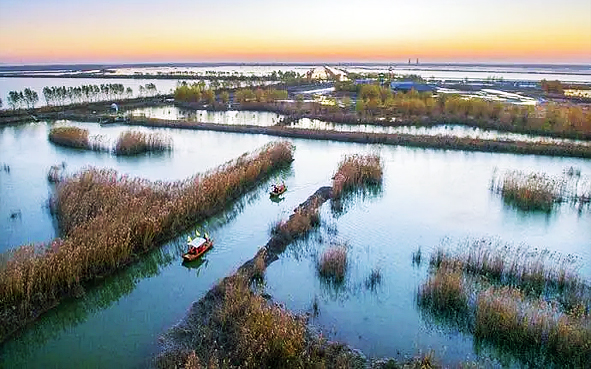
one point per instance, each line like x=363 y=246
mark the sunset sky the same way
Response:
x=81 y=31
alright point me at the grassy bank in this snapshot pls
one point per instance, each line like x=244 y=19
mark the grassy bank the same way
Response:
x=133 y=143
x=436 y=142
x=532 y=304
x=107 y=220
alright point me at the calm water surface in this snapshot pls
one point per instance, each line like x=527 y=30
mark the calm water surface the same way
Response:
x=427 y=196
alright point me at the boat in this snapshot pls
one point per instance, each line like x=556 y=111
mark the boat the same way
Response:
x=278 y=190
x=202 y=245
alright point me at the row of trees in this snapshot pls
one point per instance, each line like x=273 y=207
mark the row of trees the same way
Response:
x=246 y=95
x=23 y=99
x=62 y=95
x=195 y=92
x=57 y=95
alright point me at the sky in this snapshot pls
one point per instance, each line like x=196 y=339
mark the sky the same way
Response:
x=128 y=31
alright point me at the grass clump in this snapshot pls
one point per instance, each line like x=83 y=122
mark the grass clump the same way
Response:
x=374 y=279
x=134 y=143
x=356 y=171
x=333 y=263
x=522 y=267
x=539 y=191
x=505 y=316
x=445 y=291
x=107 y=220
x=70 y=137
x=531 y=303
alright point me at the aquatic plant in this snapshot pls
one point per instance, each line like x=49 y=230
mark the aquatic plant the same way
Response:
x=505 y=316
x=299 y=223
x=530 y=270
x=445 y=291
x=533 y=191
x=333 y=263
x=239 y=328
x=133 y=143
x=374 y=279
x=356 y=171
x=70 y=137
x=524 y=300
x=107 y=220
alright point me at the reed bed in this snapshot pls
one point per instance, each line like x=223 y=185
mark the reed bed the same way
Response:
x=539 y=191
x=70 y=137
x=530 y=270
x=107 y=220
x=134 y=143
x=505 y=316
x=333 y=263
x=518 y=298
x=357 y=171
x=445 y=291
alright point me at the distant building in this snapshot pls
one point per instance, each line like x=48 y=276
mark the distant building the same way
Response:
x=410 y=85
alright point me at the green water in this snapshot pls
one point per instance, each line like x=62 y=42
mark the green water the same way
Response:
x=427 y=196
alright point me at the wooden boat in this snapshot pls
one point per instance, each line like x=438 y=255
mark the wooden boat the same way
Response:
x=202 y=245
x=280 y=190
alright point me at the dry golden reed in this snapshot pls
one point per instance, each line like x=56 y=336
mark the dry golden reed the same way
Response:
x=356 y=171
x=107 y=220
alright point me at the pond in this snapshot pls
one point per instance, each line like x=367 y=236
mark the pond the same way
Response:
x=427 y=196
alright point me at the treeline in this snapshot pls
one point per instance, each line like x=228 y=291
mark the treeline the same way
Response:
x=199 y=93
x=62 y=95
x=259 y=95
x=56 y=95
x=22 y=99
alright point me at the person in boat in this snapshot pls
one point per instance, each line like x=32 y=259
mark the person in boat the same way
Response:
x=275 y=188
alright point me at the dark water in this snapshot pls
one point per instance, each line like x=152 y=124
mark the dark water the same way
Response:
x=427 y=196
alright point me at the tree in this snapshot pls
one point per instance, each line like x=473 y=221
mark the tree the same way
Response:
x=0 y=103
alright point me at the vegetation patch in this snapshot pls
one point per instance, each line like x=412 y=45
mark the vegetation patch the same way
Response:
x=356 y=171
x=70 y=137
x=107 y=220
x=133 y=143
x=539 y=191
x=525 y=301
x=332 y=264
